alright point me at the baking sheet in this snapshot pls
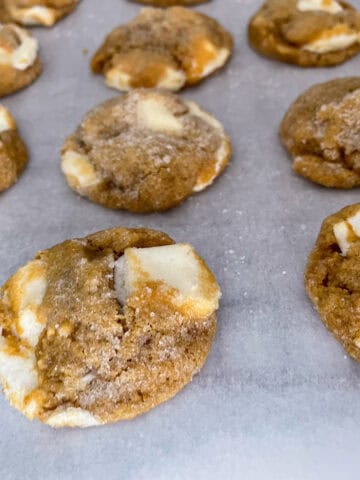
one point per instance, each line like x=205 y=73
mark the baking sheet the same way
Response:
x=278 y=398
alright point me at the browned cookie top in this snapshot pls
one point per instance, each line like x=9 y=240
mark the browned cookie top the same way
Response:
x=322 y=133
x=106 y=327
x=4 y=14
x=13 y=152
x=145 y=151
x=306 y=32
x=163 y=48
x=332 y=277
x=35 y=12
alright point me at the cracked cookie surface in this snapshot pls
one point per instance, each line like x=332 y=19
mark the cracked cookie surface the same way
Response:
x=309 y=33
x=106 y=327
x=13 y=152
x=19 y=59
x=35 y=12
x=165 y=48
x=321 y=131
x=145 y=151
x=332 y=277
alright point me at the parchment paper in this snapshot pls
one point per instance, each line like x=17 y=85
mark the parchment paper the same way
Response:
x=278 y=398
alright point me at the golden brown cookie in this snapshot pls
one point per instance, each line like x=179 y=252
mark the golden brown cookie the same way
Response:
x=321 y=131
x=4 y=14
x=35 y=12
x=13 y=152
x=19 y=59
x=170 y=3
x=161 y=48
x=309 y=33
x=106 y=327
x=145 y=151
x=332 y=277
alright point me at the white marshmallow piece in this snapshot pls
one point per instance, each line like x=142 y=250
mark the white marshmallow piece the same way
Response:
x=6 y=120
x=178 y=267
x=355 y=223
x=116 y=78
x=33 y=292
x=18 y=372
x=216 y=58
x=172 y=79
x=72 y=417
x=344 y=230
x=31 y=327
x=77 y=166
x=218 y=61
x=24 y=55
x=330 y=6
x=153 y=115
x=332 y=43
x=36 y=15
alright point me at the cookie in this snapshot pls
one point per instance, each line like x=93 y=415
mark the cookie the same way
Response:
x=106 y=327
x=161 y=48
x=13 y=152
x=145 y=151
x=4 y=15
x=35 y=12
x=19 y=59
x=170 y=3
x=321 y=132
x=332 y=277
x=308 y=33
